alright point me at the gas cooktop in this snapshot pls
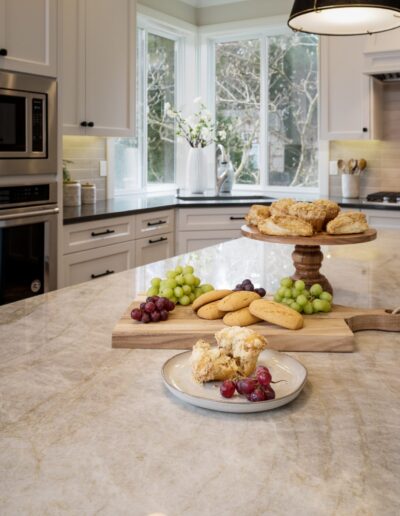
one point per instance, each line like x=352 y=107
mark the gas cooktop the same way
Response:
x=384 y=197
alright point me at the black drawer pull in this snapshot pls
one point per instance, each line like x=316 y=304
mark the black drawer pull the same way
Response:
x=107 y=232
x=162 y=239
x=83 y=124
x=159 y=223
x=3 y=52
x=107 y=273
x=90 y=124
x=237 y=218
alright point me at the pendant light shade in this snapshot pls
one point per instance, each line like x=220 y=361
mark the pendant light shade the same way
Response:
x=344 y=17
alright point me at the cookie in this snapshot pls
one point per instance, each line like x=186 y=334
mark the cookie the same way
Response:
x=237 y=300
x=242 y=317
x=210 y=311
x=209 y=297
x=275 y=313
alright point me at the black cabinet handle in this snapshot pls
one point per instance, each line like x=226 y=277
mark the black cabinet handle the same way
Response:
x=162 y=239
x=90 y=124
x=84 y=124
x=237 y=218
x=107 y=232
x=159 y=223
x=3 y=52
x=365 y=129
x=107 y=273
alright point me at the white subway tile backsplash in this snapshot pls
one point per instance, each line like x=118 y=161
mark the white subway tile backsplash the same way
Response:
x=86 y=152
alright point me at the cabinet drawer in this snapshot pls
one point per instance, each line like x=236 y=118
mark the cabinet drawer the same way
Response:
x=154 y=223
x=211 y=218
x=383 y=219
x=89 y=235
x=188 y=241
x=97 y=263
x=154 y=248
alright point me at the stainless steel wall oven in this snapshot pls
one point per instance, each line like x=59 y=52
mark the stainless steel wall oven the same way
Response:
x=28 y=240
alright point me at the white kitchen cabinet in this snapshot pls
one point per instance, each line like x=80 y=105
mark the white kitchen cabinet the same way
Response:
x=350 y=100
x=28 y=36
x=383 y=42
x=91 y=265
x=188 y=241
x=98 y=233
x=382 y=219
x=154 y=248
x=154 y=223
x=98 y=78
x=203 y=227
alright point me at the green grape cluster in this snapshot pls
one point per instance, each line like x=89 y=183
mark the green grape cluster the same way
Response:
x=180 y=286
x=294 y=294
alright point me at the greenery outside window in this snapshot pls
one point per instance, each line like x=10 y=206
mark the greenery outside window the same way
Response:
x=266 y=97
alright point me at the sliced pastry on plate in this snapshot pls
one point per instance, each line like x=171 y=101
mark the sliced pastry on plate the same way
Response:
x=348 y=223
x=285 y=225
x=236 y=355
x=257 y=213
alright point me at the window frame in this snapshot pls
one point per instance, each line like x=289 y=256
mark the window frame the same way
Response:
x=209 y=37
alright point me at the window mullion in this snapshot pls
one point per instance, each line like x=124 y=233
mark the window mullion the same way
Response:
x=264 y=147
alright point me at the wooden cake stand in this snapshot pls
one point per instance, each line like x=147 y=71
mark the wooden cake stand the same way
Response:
x=307 y=255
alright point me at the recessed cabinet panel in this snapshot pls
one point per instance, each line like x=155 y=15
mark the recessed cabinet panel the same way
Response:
x=99 y=50
x=345 y=107
x=383 y=219
x=211 y=218
x=92 y=265
x=29 y=35
x=154 y=248
x=187 y=241
x=154 y=223
x=73 y=69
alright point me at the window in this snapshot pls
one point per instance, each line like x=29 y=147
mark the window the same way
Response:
x=153 y=152
x=266 y=98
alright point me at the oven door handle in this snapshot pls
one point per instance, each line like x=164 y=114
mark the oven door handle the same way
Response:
x=23 y=215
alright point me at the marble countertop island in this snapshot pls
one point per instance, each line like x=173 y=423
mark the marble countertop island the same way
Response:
x=86 y=429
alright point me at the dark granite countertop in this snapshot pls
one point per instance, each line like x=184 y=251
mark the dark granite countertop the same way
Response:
x=131 y=205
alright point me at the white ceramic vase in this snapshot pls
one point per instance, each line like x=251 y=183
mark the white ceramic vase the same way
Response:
x=350 y=186
x=196 y=170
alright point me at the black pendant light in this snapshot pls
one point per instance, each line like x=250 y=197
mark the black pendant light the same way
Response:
x=345 y=17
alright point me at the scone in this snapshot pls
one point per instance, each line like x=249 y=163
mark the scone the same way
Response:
x=332 y=209
x=347 y=224
x=257 y=214
x=285 y=226
x=309 y=212
x=236 y=355
x=281 y=207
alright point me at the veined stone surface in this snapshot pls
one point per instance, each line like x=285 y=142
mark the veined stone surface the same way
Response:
x=85 y=429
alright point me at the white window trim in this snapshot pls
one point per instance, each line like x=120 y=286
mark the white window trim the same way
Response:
x=212 y=34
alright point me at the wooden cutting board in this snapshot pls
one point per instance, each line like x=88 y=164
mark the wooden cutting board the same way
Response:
x=322 y=332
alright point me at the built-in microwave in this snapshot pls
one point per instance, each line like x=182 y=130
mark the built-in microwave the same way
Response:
x=28 y=124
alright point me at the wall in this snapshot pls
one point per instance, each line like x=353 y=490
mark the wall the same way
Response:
x=174 y=8
x=86 y=152
x=239 y=11
x=383 y=157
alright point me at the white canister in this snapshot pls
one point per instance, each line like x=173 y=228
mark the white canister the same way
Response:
x=197 y=170
x=72 y=193
x=350 y=186
x=88 y=194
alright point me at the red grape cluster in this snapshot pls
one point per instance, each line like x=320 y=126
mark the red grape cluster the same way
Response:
x=248 y=285
x=256 y=388
x=155 y=309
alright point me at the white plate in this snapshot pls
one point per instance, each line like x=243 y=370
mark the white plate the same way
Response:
x=177 y=376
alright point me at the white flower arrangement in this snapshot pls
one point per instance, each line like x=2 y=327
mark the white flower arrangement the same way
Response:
x=198 y=130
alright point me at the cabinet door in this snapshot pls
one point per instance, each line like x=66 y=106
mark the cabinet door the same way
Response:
x=73 y=66
x=154 y=223
x=154 y=248
x=202 y=219
x=380 y=219
x=98 y=263
x=187 y=241
x=348 y=97
x=28 y=31
x=110 y=67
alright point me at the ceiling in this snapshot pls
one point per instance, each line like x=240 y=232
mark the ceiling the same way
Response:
x=208 y=3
